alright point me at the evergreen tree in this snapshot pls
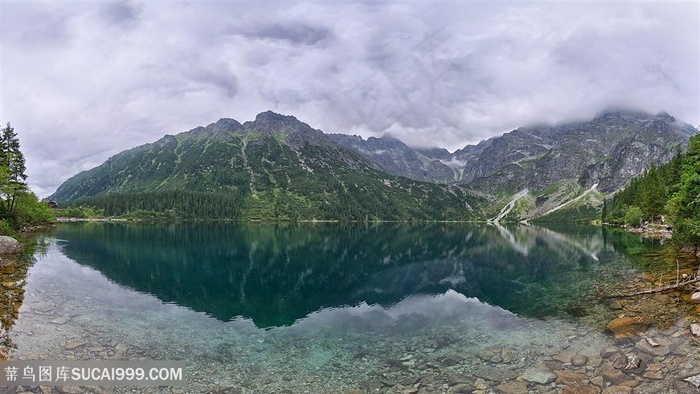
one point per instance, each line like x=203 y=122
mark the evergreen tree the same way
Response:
x=653 y=194
x=685 y=204
x=12 y=174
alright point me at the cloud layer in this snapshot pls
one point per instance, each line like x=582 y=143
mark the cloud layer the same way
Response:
x=83 y=81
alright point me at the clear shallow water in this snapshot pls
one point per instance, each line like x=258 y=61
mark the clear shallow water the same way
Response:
x=319 y=308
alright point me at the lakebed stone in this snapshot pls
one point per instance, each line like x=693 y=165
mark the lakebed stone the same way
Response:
x=512 y=388
x=539 y=375
x=628 y=326
x=579 y=389
x=570 y=377
x=695 y=329
x=695 y=297
x=72 y=345
x=618 y=390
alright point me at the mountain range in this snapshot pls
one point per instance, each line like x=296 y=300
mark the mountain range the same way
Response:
x=278 y=167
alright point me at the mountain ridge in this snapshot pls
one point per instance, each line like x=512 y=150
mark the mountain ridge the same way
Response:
x=275 y=167
x=279 y=154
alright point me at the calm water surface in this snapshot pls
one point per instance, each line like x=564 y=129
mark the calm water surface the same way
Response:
x=319 y=307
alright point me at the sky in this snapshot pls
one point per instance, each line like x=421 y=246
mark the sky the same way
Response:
x=81 y=81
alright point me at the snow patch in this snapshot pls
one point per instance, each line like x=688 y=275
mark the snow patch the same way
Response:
x=509 y=207
x=571 y=201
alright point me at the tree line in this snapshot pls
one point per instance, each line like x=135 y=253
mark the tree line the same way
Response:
x=668 y=193
x=19 y=207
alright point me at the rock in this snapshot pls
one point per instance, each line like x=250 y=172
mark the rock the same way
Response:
x=695 y=297
x=43 y=307
x=72 y=345
x=512 y=388
x=570 y=377
x=480 y=384
x=614 y=376
x=594 y=361
x=579 y=389
x=457 y=379
x=628 y=326
x=495 y=374
x=663 y=348
x=653 y=375
x=72 y=390
x=537 y=375
x=565 y=357
x=694 y=380
x=61 y=320
x=459 y=389
x=598 y=381
x=508 y=355
x=628 y=362
x=695 y=329
x=579 y=360
x=9 y=245
x=618 y=390
x=609 y=351
x=490 y=354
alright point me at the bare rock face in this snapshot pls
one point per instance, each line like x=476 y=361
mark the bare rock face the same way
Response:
x=9 y=245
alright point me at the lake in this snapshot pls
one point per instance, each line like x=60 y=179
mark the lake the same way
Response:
x=342 y=308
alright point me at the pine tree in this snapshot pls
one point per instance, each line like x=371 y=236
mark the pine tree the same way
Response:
x=685 y=204
x=12 y=169
x=653 y=194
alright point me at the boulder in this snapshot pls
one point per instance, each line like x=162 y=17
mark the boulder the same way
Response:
x=624 y=326
x=9 y=245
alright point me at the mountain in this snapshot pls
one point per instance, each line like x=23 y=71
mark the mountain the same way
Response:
x=545 y=166
x=275 y=167
x=394 y=157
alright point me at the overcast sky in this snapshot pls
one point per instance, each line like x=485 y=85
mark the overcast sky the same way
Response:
x=81 y=81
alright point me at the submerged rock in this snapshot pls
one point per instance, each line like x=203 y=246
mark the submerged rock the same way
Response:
x=694 y=380
x=695 y=329
x=628 y=326
x=579 y=389
x=695 y=297
x=538 y=375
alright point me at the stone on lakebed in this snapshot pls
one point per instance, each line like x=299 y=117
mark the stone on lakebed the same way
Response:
x=625 y=326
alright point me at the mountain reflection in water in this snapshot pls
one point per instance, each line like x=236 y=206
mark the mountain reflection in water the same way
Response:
x=276 y=274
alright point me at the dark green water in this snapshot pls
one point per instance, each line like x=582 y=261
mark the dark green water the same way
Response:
x=319 y=308
x=276 y=274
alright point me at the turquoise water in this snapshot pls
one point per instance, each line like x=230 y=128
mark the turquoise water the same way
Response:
x=319 y=307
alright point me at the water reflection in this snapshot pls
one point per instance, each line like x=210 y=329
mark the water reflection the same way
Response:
x=276 y=274
x=13 y=278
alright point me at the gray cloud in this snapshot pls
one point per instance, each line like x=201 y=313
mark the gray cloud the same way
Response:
x=83 y=81
x=292 y=32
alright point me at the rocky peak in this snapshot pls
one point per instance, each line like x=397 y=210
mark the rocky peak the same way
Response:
x=224 y=125
x=271 y=122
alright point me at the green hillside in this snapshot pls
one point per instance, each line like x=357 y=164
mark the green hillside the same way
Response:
x=275 y=168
